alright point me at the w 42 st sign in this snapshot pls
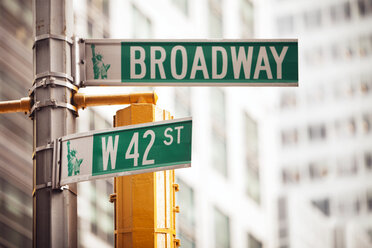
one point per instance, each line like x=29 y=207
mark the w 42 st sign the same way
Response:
x=126 y=150
x=190 y=62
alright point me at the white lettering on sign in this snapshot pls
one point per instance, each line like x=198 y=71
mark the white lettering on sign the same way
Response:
x=170 y=137
x=246 y=60
x=279 y=60
x=173 y=62
x=241 y=59
x=159 y=62
x=262 y=56
x=140 y=61
x=222 y=50
x=199 y=56
x=145 y=161
x=178 y=133
x=110 y=151
x=133 y=144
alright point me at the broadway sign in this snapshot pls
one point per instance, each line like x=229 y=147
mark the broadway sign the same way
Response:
x=189 y=62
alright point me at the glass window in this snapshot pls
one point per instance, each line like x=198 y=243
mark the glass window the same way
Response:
x=182 y=101
x=221 y=229
x=215 y=19
x=142 y=25
x=90 y=29
x=186 y=217
x=369 y=200
x=362 y=7
x=317 y=132
x=253 y=242
x=287 y=100
x=251 y=153
x=313 y=18
x=186 y=203
x=246 y=12
x=318 y=170
x=368 y=160
x=340 y=12
x=219 y=156
x=290 y=175
x=285 y=24
x=322 y=205
x=182 y=5
x=347 y=166
x=289 y=137
x=282 y=208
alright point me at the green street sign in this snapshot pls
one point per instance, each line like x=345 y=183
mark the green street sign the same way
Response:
x=126 y=150
x=189 y=62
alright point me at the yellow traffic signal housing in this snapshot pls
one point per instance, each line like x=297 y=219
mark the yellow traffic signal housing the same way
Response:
x=145 y=203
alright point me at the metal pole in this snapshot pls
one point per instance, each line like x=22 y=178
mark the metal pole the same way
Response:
x=54 y=209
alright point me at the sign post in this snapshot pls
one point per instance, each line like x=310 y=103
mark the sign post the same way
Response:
x=189 y=62
x=126 y=150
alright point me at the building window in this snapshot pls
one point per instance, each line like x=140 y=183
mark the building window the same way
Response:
x=367 y=119
x=282 y=208
x=318 y=170
x=322 y=205
x=368 y=160
x=317 y=132
x=182 y=5
x=346 y=128
x=347 y=166
x=369 y=200
x=142 y=25
x=288 y=100
x=313 y=18
x=285 y=24
x=90 y=29
x=289 y=137
x=253 y=242
x=251 y=158
x=186 y=218
x=290 y=175
x=219 y=156
x=246 y=13
x=221 y=229
x=182 y=100
x=215 y=19
x=340 y=12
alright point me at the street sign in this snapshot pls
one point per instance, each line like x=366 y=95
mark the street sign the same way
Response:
x=110 y=62
x=126 y=150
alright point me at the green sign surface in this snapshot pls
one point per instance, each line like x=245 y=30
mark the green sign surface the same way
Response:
x=126 y=150
x=191 y=62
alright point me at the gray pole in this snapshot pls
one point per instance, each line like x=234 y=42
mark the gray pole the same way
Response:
x=54 y=209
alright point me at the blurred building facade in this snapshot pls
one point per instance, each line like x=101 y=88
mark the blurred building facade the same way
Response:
x=15 y=129
x=271 y=167
x=323 y=148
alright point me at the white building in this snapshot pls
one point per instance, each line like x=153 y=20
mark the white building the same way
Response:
x=323 y=127
x=272 y=167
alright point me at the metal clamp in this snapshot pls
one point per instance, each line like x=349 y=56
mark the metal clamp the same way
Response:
x=45 y=147
x=52 y=36
x=53 y=82
x=56 y=168
x=53 y=74
x=54 y=103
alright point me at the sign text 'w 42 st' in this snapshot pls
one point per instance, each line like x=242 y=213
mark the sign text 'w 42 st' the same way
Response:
x=126 y=150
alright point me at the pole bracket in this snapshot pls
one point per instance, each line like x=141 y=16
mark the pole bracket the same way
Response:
x=52 y=82
x=54 y=103
x=52 y=36
x=53 y=74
